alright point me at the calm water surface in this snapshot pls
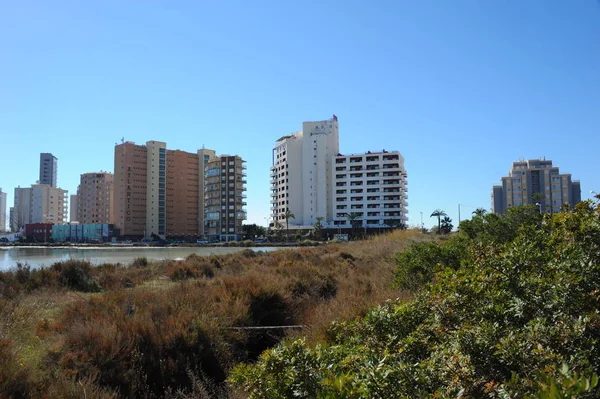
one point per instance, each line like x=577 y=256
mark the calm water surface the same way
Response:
x=45 y=256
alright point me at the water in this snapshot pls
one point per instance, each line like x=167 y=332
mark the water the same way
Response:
x=44 y=256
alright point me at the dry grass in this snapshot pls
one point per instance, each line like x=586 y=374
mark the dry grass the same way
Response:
x=155 y=326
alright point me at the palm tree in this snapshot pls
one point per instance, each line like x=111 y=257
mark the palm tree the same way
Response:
x=318 y=226
x=438 y=213
x=479 y=212
x=354 y=219
x=288 y=215
x=446 y=226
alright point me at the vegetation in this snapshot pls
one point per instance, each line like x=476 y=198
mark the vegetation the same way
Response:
x=439 y=214
x=508 y=307
x=318 y=228
x=252 y=231
x=176 y=328
x=287 y=216
x=446 y=226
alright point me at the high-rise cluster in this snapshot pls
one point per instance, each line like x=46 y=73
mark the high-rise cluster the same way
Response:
x=162 y=192
x=43 y=202
x=311 y=180
x=536 y=182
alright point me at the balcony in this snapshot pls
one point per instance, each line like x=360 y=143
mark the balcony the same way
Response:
x=391 y=166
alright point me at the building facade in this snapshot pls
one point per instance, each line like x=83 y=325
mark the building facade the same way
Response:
x=96 y=232
x=94 y=200
x=537 y=182
x=224 y=198
x=40 y=203
x=73 y=204
x=21 y=208
x=157 y=191
x=311 y=179
x=48 y=169
x=370 y=187
x=38 y=232
x=301 y=173
x=2 y=211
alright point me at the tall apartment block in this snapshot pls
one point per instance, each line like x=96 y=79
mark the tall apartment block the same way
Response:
x=48 y=169
x=40 y=203
x=371 y=186
x=312 y=179
x=535 y=181
x=224 y=196
x=94 y=201
x=301 y=178
x=159 y=191
x=2 y=211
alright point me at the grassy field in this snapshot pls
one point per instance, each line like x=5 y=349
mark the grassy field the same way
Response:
x=171 y=328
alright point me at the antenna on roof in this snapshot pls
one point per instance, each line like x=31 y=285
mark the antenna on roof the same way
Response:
x=122 y=140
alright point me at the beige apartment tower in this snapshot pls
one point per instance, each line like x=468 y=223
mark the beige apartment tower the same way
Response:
x=225 y=187
x=535 y=182
x=94 y=201
x=159 y=192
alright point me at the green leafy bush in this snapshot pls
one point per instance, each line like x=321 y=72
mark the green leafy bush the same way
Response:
x=499 y=318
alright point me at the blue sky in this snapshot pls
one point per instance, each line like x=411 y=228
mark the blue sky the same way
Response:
x=461 y=88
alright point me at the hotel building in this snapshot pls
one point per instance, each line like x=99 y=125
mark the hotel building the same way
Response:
x=312 y=179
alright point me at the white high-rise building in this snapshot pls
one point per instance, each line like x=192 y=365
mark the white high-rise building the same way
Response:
x=2 y=211
x=312 y=179
x=301 y=173
x=371 y=187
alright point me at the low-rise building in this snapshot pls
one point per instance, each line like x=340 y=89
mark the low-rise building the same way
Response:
x=93 y=232
x=38 y=232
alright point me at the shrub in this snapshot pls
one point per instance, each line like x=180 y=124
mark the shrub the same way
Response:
x=140 y=262
x=14 y=379
x=248 y=253
x=346 y=255
x=498 y=319
x=416 y=266
x=76 y=275
x=186 y=270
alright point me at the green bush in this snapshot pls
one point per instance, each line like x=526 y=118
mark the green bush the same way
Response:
x=517 y=317
x=140 y=262
x=76 y=275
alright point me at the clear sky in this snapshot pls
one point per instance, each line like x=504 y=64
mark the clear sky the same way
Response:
x=461 y=88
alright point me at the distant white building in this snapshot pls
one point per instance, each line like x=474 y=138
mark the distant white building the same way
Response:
x=312 y=179
x=372 y=186
x=301 y=173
